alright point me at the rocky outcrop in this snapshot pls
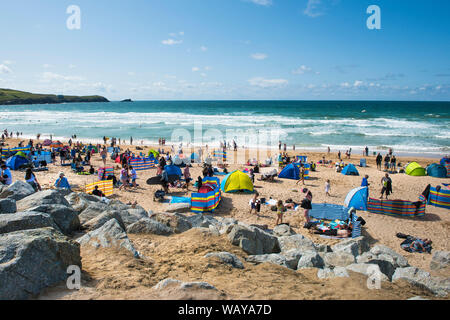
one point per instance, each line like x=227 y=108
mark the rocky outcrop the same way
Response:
x=17 y=191
x=25 y=221
x=102 y=218
x=423 y=279
x=338 y=259
x=177 y=222
x=31 y=260
x=253 y=240
x=65 y=217
x=149 y=226
x=283 y=230
x=297 y=242
x=353 y=246
x=328 y=273
x=310 y=259
x=8 y=206
x=47 y=197
x=226 y=258
x=440 y=260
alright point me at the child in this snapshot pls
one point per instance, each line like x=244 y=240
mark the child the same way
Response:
x=327 y=188
x=255 y=204
x=280 y=210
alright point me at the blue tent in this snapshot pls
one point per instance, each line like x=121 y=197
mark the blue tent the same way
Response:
x=15 y=162
x=437 y=170
x=444 y=161
x=291 y=171
x=173 y=170
x=350 y=170
x=357 y=198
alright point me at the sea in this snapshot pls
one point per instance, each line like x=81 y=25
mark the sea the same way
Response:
x=421 y=128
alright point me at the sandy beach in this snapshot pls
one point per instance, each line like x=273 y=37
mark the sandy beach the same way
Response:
x=380 y=229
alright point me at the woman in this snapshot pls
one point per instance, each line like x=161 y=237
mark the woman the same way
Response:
x=306 y=203
x=30 y=178
x=124 y=177
x=104 y=153
x=187 y=177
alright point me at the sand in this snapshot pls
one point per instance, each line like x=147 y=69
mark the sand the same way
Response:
x=180 y=256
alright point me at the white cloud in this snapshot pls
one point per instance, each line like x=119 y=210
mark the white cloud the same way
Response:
x=50 y=76
x=171 y=42
x=72 y=66
x=100 y=86
x=8 y=62
x=131 y=73
x=203 y=48
x=46 y=66
x=265 y=3
x=267 y=83
x=4 y=69
x=259 y=56
x=345 y=84
x=195 y=69
x=303 y=69
x=313 y=8
x=357 y=83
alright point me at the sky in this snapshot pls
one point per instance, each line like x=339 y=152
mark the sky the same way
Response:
x=228 y=49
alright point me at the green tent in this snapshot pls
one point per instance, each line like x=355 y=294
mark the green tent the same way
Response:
x=154 y=152
x=20 y=153
x=414 y=169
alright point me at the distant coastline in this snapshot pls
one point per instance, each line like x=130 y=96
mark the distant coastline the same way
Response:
x=15 y=97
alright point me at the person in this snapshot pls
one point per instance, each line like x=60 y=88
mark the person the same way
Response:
x=187 y=177
x=255 y=204
x=328 y=150
x=393 y=163
x=165 y=181
x=252 y=175
x=280 y=211
x=30 y=178
x=98 y=192
x=62 y=182
x=279 y=145
x=306 y=203
x=6 y=176
x=124 y=177
x=103 y=154
x=367 y=151
x=133 y=176
x=386 y=162
x=199 y=182
x=365 y=181
x=339 y=155
x=386 y=182
x=302 y=174
x=340 y=233
x=378 y=160
x=327 y=188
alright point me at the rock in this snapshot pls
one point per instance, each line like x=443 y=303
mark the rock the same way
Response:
x=292 y=257
x=310 y=259
x=25 y=221
x=273 y=258
x=93 y=210
x=149 y=226
x=338 y=259
x=177 y=222
x=31 y=260
x=166 y=283
x=109 y=235
x=8 y=206
x=383 y=253
x=214 y=230
x=253 y=240
x=178 y=207
x=354 y=246
x=17 y=191
x=131 y=216
x=322 y=248
x=65 y=217
x=327 y=273
x=50 y=197
x=423 y=279
x=283 y=230
x=80 y=201
x=440 y=260
x=197 y=285
x=102 y=218
x=202 y=221
x=227 y=258
x=367 y=269
x=296 y=241
x=226 y=229
x=177 y=290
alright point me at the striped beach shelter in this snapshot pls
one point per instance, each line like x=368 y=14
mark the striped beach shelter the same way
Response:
x=105 y=186
x=439 y=197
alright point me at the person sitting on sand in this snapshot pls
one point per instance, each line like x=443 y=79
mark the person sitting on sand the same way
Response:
x=98 y=192
x=255 y=204
x=62 y=182
x=30 y=178
x=6 y=176
x=280 y=211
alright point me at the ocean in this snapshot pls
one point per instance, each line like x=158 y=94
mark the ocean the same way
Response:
x=407 y=127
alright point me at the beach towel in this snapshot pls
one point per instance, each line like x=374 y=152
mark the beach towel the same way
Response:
x=180 y=200
x=406 y=245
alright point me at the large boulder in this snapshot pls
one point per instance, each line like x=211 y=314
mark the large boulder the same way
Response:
x=110 y=235
x=65 y=217
x=93 y=210
x=31 y=260
x=310 y=259
x=177 y=222
x=149 y=226
x=381 y=252
x=17 y=191
x=102 y=218
x=327 y=273
x=338 y=259
x=273 y=258
x=42 y=198
x=25 y=221
x=292 y=258
x=297 y=242
x=367 y=269
x=8 y=206
x=178 y=207
x=226 y=258
x=423 y=279
x=283 y=230
x=131 y=216
x=201 y=221
x=253 y=240
x=354 y=246
x=80 y=201
x=440 y=260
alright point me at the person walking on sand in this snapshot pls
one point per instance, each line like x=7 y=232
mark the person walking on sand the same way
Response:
x=187 y=177
x=104 y=154
x=378 y=161
x=255 y=204
x=302 y=174
x=327 y=188
x=133 y=176
x=307 y=203
x=386 y=182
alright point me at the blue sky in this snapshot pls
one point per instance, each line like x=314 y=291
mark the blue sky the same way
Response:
x=228 y=49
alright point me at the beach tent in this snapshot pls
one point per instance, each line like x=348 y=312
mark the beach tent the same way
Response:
x=291 y=171
x=195 y=158
x=208 y=197
x=21 y=154
x=439 y=197
x=414 y=169
x=357 y=198
x=154 y=153
x=47 y=142
x=178 y=161
x=237 y=181
x=56 y=144
x=446 y=163
x=173 y=172
x=350 y=170
x=15 y=162
x=437 y=171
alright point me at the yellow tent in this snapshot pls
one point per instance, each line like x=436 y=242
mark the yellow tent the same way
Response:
x=237 y=181
x=414 y=169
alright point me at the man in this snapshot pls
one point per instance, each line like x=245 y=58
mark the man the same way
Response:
x=367 y=151
x=386 y=182
x=365 y=181
x=97 y=192
x=378 y=160
x=62 y=182
x=6 y=176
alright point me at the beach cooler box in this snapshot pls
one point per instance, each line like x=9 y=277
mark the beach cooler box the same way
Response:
x=362 y=163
